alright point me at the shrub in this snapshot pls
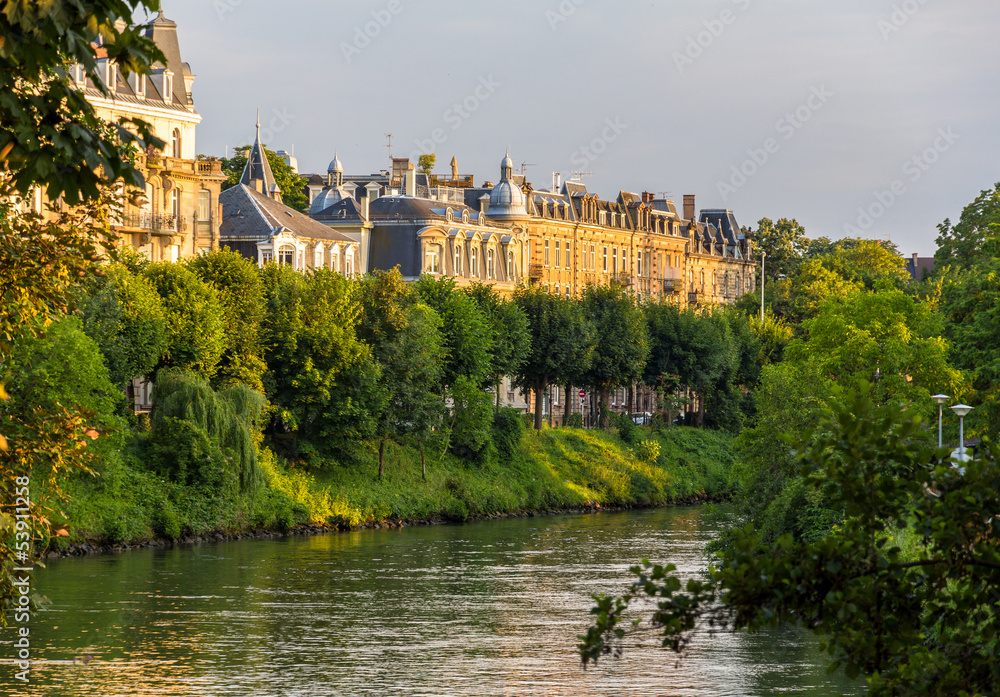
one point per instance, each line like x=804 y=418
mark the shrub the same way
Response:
x=574 y=421
x=166 y=522
x=508 y=430
x=647 y=451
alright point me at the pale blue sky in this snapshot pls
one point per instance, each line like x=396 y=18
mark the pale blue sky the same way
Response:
x=656 y=96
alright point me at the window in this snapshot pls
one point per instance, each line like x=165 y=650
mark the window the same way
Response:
x=583 y=259
x=458 y=259
x=614 y=261
x=349 y=262
x=175 y=205
x=546 y=252
x=593 y=256
x=266 y=257
x=602 y=218
x=556 y=290
x=432 y=263
x=490 y=265
x=175 y=143
x=702 y=281
x=605 y=260
x=659 y=263
x=335 y=257
x=510 y=265
x=286 y=255
x=204 y=205
x=569 y=256
x=567 y=293
x=558 y=254
x=474 y=261
x=638 y=263
x=318 y=256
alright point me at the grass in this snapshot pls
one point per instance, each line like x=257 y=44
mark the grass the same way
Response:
x=552 y=469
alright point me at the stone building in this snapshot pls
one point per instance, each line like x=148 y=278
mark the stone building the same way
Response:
x=178 y=214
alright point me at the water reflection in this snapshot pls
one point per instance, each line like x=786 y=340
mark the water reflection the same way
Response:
x=485 y=609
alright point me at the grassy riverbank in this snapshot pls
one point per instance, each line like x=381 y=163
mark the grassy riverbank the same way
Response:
x=551 y=470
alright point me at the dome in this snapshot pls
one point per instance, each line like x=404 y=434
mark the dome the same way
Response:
x=507 y=199
x=506 y=163
x=335 y=165
x=326 y=198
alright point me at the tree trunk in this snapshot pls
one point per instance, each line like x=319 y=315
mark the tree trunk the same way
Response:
x=539 y=396
x=569 y=403
x=701 y=409
x=602 y=407
x=423 y=464
x=381 y=458
x=630 y=400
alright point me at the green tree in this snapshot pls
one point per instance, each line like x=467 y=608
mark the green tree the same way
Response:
x=292 y=184
x=321 y=377
x=922 y=622
x=885 y=337
x=406 y=342
x=622 y=345
x=426 y=163
x=241 y=293
x=468 y=333
x=196 y=337
x=512 y=341
x=960 y=244
x=562 y=342
x=124 y=315
x=784 y=243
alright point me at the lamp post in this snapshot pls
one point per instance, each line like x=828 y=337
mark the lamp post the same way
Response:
x=940 y=399
x=961 y=410
x=762 y=255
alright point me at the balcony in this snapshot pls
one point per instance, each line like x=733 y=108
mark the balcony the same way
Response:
x=535 y=272
x=148 y=222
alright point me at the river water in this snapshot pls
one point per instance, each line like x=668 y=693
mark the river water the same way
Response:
x=490 y=608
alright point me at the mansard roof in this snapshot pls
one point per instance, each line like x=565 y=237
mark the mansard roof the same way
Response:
x=248 y=214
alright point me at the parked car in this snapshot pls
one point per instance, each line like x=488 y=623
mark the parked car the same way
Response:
x=642 y=418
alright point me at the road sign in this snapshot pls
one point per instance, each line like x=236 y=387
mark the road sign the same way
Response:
x=583 y=394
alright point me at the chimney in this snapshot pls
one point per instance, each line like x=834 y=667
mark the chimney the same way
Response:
x=410 y=181
x=556 y=181
x=689 y=211
x=372 y=190
x=647 y=197
x=484 y=204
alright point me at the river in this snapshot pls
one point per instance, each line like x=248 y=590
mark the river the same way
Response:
x=490 y=608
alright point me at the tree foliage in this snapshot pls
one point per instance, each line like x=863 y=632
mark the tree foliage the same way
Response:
x=124 y=315
x=240 y=289
x=921 y=623
x=959 y=245
x=562 y=342
x=784 y=243
x=196 y=329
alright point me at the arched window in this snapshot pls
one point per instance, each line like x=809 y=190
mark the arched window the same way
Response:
x=175 y=207
x=432 y=263
x=204 y=205
x=286 y=255
x=474 y=261
x=175 y=143
x=458 y=259
x=490 y=265
x=510 y=265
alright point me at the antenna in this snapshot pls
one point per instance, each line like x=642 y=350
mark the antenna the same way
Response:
x=666 y=195
x=388 y=144
x=580 y=175
x=525 y=165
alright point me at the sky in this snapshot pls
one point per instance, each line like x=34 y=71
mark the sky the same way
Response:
x=871 y=118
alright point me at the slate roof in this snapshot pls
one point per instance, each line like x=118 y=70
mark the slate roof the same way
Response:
x=342 y=211
x=250 y=215
x=258 y=167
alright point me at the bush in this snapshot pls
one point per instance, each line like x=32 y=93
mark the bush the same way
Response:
x=508 y=431
x=574 y=421
x=166 y=522
x=647 y=451
x=627 y=430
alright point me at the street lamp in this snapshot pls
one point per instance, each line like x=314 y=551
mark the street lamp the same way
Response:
x=940 y=399
x=961 y=410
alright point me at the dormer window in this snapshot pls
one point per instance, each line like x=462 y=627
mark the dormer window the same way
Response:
x=602 y=218
x=167 y=86
x=449 y=215
x=138 y=84
x=458 y=259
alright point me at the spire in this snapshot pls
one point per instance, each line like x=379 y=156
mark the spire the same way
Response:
x=506 y=167
x=257 y=173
